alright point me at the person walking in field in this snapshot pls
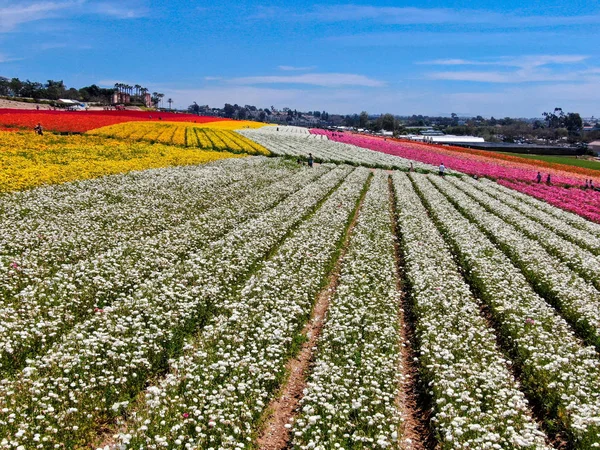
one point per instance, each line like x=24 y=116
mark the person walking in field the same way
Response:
x=39 y=129
x=442 y=170
x=539 y=177
x=548 y=179
x=310 y=160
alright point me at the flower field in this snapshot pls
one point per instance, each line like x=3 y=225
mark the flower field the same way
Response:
x=517 y=173
x=211 y=136
x=82 y=121
x=289 y=141
x=28 y=160
x=167 y=308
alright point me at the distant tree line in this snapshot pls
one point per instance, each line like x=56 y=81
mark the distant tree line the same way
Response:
x=555 y=126
x=56 y=89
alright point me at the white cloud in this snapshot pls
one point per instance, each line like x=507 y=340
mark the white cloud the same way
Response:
x=118 y=10
x=13 y=14
x=7 y=59
x=518 y=69
x=524 y=61
x=315 y=79
x=413 y=16
x=513 y=101
x=294 y=68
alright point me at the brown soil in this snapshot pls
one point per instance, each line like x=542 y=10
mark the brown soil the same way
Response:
x=415 y=431
x=284 y=407
x=9 y=104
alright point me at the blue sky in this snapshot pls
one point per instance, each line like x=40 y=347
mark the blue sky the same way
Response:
x=432 y=57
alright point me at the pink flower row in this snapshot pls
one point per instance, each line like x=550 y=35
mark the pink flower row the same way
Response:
x=464 y=163
x=583 y=202
x=563 y=192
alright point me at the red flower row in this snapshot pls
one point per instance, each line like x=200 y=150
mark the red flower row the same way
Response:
x=81 y=121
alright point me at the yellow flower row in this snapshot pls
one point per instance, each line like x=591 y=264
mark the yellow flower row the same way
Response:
x=28 y=160
x=213 y=136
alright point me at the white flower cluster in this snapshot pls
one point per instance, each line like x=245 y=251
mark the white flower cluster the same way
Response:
x=570 y=226
x=349 y=401
x=288 y=129
x=556 y=370
x=476 y=401
x=107 y=359
x=287 y=144
x=580 y=260
x=577 y=300
x=217 y=391
x=156 y=233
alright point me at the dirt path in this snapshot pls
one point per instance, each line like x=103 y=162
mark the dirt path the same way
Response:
x=284 y=407
x=416 y=433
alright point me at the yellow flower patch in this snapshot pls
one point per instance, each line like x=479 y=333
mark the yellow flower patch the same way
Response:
x=211 y=136
x=28 y=160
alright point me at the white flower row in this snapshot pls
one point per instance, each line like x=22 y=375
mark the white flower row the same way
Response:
x=578 y=259
x=556 y=370
x=330 y=151
x=287 y=129
x=349 y=400
x=52 y=305
x=216 y=392
x=94 y=370
x=577 y=300
x=476 y=401
x=64 y=226
x=569 y=225
x=69 y=221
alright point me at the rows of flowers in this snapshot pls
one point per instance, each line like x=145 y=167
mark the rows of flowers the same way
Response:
x=555 y=369
x=583 y=202
x=35 y=312
x=286 y=129
x=91 y=374
x=300 y=145
x=568 y=225
x=217 y=391
x=80 y=121
x=28 y=160
x=476 y=401
x=575 y=257
x=67 y=222
x=577 y=300
x=350 y=397
x=218 y=137
x=478 y=163
x=566 y=189
x=571 y=222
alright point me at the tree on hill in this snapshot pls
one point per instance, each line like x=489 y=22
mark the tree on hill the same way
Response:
x=228 y=110
x=388 y=122
x=363 y=119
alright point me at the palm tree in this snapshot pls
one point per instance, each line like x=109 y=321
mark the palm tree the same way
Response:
x=170 y=102
x=160 y=97
x=137 y=90
x=155 y=99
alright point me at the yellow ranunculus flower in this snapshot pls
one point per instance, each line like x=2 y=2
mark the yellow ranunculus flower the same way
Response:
x=212 y=136
x=28 y=160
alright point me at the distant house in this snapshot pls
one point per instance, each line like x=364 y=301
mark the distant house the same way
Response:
x=121 y=97
x=147 y=100
x=595 y=147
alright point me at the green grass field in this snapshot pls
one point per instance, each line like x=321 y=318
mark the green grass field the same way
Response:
x=567 y=160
